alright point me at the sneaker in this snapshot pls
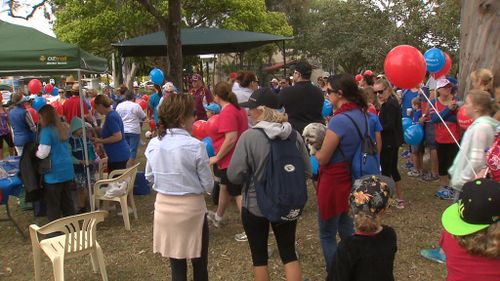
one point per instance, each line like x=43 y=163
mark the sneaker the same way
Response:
x=430 y=177
x=434 y=255
x=130 y=211
x=211 y=217
x=414 y=173
x=400 y=203
x=408 y=165
x=241 y=237
x=445 y=193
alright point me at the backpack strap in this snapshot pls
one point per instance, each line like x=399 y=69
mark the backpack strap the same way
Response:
x=357 y=129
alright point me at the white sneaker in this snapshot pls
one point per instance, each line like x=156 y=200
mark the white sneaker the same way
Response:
x=130 y=211
x=241 y=237
x=211 y=217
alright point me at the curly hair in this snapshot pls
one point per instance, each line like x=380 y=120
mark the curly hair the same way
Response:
x=485 y=243
x=172 y=111
x=271 y=115
x=485 y=77
x=366 y=222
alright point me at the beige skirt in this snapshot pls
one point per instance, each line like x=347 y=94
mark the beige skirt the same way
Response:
x=178 y=225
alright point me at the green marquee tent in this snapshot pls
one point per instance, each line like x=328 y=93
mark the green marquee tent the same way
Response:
x=196 y=41
x=26 y=50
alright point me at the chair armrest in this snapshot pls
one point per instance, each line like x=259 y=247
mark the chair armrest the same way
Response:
x=117 y=173
x=33 y=229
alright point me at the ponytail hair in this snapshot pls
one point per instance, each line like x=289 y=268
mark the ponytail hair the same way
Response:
x=223 y=91
x=349 y=88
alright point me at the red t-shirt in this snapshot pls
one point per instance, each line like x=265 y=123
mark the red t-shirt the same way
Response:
x=442 y=134
x=230 y=120
x=372 y=109
x=71 y=108
x=493 y=159
x=462 y=266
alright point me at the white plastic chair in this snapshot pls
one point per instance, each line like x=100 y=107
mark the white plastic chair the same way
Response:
x=102 y=164
x=78 y=238
x=117 y=176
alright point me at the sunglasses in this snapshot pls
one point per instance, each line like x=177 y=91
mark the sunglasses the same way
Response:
x=379 y=92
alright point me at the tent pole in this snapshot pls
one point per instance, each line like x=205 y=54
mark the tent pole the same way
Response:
x=284 y=60
x=84 y=133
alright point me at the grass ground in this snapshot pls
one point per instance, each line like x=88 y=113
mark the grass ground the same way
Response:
x=129 y=254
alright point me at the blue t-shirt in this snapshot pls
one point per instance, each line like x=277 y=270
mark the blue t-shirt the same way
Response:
x=61 y=168
x=416 y=115
x=154 y=101
x=343 y=127
x=407 y=97
x=118 y=151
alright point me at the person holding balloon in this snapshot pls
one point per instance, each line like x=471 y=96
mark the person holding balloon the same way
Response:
x=392 y=135
x=5 y=131
x=23 y=126
x=417 y=151
x=132 y=116
x=446 y=143
x=232 y=122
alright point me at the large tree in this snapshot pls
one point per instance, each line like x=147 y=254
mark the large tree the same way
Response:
x=479 y=42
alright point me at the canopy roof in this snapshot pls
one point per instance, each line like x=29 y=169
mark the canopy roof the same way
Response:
x=24 y=49
x=196 y=41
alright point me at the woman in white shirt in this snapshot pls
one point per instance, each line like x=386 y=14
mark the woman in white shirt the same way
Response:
x=132 y=115
x=178 y=166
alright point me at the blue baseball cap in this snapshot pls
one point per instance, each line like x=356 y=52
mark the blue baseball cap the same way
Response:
x=215 y=108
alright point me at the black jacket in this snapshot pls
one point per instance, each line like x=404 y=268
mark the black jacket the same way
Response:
x=392 y=126
x=29 y=174
x=303 y=103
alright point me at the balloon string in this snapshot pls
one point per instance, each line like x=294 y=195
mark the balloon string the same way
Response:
x=449 y=131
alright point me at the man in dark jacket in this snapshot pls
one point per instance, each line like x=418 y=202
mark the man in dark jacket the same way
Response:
x=303 y=102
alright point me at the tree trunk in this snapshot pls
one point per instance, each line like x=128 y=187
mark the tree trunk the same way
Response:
x=173 y=33
x=479 y=40
x=129 y=70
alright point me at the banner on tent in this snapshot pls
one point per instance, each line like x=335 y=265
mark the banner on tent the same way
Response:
x=54 y=60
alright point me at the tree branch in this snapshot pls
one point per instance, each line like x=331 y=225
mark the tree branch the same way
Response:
x=153 y=11
x=12 y=8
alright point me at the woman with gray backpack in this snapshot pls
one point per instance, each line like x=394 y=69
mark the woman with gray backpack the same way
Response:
x=268 y=158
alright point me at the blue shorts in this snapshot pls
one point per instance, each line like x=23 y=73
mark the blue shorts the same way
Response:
x=430 y=135
x=133 y=141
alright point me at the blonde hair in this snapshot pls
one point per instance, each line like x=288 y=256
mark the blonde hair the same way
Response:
x=485 y=77
x=271 y=115
x=366 y=222
x=484 y=243
x=483 y=100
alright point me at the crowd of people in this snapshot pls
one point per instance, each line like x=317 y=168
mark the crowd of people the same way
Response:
x=243 y=121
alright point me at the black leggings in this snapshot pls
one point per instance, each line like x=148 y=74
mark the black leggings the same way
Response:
x=389 y=163
x=58 y=200
x=200 y=265
x=257 y=230
x=116 y=166
x=446 y=154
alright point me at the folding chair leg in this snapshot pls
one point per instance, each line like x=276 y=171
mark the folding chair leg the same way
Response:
x=58 y=268
x=100 y=260
x=93 y=259
x=126 y=219
x=37 y=260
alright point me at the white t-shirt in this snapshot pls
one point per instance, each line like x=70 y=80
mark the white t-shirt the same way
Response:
x=243 y=94
x=132 y=115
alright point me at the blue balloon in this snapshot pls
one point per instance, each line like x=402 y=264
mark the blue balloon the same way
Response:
x=38 y=103
x=435 y=60
x=314 y=165
x=327 y=108
x=55 y=92
x=407 y=122
x=210 y=147
x=156 y=75
x=414 y=134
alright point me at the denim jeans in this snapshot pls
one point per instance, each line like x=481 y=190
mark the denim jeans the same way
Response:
x=328 y=229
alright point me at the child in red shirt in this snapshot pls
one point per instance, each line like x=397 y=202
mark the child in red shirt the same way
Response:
x=472 y=233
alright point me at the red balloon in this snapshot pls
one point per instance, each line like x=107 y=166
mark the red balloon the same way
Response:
x=34 y=114
x=464 y=120
x=405 y=67
x=142 y=103
x=58 y=107
x=199 y=129
x=213 y=125
x=358 y=77
x=152 y=125
x=35 y=86
x=49 y=88
x=368 y=72
x=446 y=68
x=145 y=97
